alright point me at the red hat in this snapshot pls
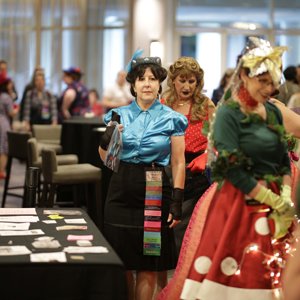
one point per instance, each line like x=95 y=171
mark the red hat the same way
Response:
x=73 y=70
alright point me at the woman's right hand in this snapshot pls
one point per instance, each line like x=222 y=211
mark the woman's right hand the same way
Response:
x=15 y=110
x=281 y=224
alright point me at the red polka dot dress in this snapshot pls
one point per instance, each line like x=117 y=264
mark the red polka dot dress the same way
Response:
x=237 y=257
x=195 y=141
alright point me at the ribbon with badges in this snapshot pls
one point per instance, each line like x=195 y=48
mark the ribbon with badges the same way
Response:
x=152 y=213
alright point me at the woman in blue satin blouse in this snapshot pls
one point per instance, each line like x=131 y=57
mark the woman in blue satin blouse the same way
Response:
x=142 y=208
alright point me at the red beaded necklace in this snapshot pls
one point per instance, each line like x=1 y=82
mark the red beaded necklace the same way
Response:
x=246 y=98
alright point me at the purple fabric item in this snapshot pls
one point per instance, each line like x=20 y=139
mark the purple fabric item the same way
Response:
x=296 y=110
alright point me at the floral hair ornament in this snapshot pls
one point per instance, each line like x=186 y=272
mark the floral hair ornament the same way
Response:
x=137 y=60
x=259 y=57
x=138 y=53
x=264 y=58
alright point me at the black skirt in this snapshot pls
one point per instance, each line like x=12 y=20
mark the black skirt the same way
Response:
x=124 y=219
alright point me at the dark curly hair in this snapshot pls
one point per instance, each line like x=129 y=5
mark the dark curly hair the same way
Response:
x=159 y=73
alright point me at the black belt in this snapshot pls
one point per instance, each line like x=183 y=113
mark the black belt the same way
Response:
x=154 y=165
x=252 y=202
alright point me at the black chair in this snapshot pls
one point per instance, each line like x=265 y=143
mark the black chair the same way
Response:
x=17 y=149
x=47 y=136
x=35 y=158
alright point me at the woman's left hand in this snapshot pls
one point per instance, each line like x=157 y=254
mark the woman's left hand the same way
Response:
x=120 y=127
x=198 y=164
x=173 y=221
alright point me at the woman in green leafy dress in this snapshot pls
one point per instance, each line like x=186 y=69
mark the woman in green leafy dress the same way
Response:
x=243 y=224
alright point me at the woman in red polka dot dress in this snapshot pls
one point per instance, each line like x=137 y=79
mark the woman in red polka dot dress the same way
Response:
x=184 y=95
x=240 y=237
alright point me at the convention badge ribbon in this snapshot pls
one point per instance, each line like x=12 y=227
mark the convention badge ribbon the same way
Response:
x=152 y=212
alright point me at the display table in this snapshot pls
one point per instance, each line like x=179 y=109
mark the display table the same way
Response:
x=81 y=136
x=84 y=276
x=78 y=137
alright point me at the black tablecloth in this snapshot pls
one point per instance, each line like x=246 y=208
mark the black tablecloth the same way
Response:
x=78 y=137
x=89 y=277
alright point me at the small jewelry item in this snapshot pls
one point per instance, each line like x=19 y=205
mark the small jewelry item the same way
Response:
x=183 y=103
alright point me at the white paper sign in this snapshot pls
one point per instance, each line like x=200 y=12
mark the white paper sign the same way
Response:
x=96 y=249
x=49 y=222
x=21 y=219
x=73 y=237
x=14 y=250
x=17 y=211
x=48 y=257
x=14 y=226
x=62 y=212
x=23 y=232
x=75 y=221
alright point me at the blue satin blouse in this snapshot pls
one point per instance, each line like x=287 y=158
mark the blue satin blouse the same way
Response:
x=147 y=134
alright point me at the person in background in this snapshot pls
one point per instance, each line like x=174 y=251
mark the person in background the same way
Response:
x=294 y=100
x=4 y=69
x=142 y=208
x=184 y=95
x=290 y=86
x=96 y=108
x=29 y=86
x=40 y=105
x=218 y=93
x=11 y=88
x=291 y=275
x=250 y=203
x=7 y=111
x=294 y=103
x=74 y=100
x=93 y=96
x=298 y=73
x=118 y=94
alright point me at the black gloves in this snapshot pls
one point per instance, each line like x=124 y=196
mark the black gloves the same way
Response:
x=176 y=203
x=106 y=137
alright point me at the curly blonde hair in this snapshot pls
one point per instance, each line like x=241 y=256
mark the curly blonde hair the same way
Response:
x=185 y=67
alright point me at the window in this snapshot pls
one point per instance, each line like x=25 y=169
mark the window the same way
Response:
x=57 y=34
x=215 y=32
